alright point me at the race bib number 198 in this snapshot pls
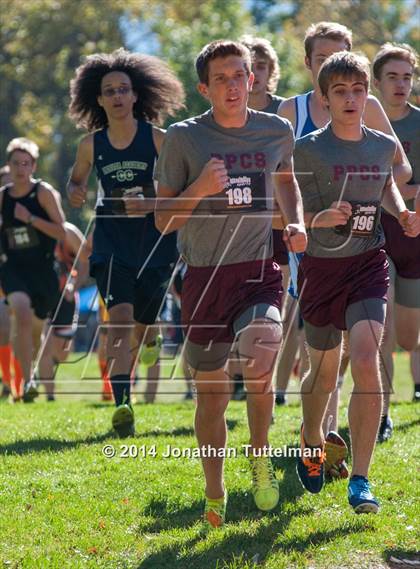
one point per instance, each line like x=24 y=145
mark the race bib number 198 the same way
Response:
x=246 y=192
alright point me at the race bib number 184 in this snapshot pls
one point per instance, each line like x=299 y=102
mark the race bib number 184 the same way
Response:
x=23 y=237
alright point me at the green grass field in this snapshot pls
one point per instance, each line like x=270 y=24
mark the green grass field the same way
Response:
x=63 y=504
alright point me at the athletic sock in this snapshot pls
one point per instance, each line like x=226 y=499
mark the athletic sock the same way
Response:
x=5 y=360
x=18 y=375
x=358 y=477
x=121 y=388
x=106 y=384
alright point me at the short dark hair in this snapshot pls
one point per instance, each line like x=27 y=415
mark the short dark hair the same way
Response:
x=343 y=64
x=220 y=48
x=159 y=92
x=388 y=51
x=326 y=30
x=261 y=47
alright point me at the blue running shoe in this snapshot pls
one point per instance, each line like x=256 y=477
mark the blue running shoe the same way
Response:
x=361 y=498
x=310 y=466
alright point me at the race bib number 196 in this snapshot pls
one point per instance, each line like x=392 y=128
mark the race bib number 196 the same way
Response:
x=364 y=219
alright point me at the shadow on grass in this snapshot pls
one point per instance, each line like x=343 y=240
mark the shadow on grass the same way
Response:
x=235 y=543
x=290 y=486
x=19 y=448
x=240 y=507
x=240 y=504
x=404 y=427
x=398 y=558
x=179 y=431
x=301 y=544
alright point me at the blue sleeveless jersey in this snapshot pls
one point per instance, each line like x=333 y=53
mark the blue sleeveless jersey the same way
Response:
x=304 y=125
x=124 y=173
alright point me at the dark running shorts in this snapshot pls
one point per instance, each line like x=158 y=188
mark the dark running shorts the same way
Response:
x=404 y=251
x=40 y=284
x=120 y=284
x=328 y=286
x=280 y=253
x=214 y=297
x=65 y=317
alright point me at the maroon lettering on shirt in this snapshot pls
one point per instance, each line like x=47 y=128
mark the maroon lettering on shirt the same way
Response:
x=363 y=172
x=245 y=160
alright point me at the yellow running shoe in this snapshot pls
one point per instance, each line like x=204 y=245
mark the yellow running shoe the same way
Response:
x=123 y=421
x=265 y=486
x=149 y=354
x=215 y=511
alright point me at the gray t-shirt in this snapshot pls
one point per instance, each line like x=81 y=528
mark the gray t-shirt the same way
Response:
x=273 y=105
x=330 y=169
x=408 y=131
x=235 y=225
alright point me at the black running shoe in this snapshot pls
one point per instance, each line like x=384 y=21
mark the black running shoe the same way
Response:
x=280 y=398
x=239 y=393
x=5 y=392
x=385 y=429
x=30 y=392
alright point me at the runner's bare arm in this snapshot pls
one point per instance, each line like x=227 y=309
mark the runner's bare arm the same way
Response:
x=289 y=199
x=158 y=138
x=88 y=246
x=287 y=193
x=278 y=222
x=337 y=214
x=287 y=110
x=409 y=191
x=376 y=118
x=76 y=241
x=392 y=200
x=77 y=184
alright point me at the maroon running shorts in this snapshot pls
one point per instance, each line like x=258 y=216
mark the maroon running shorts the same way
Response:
x=329 y=285
x=280 y=254
x=214 y=297
x=404 y=251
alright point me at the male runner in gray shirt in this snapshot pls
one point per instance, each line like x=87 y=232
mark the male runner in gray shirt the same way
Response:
x=393 y=69
x=216 y=187
x=343 y=278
